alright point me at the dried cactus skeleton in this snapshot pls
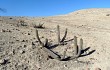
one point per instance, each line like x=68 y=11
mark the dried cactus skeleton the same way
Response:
x=61 y=41
x=39 y=26
x=76 y=53
x=44 y=47
x=78 y=49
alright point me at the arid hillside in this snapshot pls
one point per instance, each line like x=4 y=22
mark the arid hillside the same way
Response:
x=20 y=48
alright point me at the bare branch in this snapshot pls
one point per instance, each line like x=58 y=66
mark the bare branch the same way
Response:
x=51 y=53
x=64 y=36
x=76 y=54
x=44 y=47
x=46 y=43
x=80 y=47
x=61 y=41
x=39 y=38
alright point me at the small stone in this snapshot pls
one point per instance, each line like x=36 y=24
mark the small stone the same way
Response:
x=107 y=14
x=4 y=61
x=23 y=40
x=65 y=65
x=9 y=31
x=13 y=51
x=17 y=40
x=11 y=42
x=52 y=31
x=33 y=46
x=1 y=49
x=26 y=40
x=33 y=43
x=97 y=69
x=25 y=46
x=22 y=51
x=1 y=61
x=34 y=38
x=2 y=43
x=3 y=30
x=18 y=30
x=14 y=37
x=29 y=34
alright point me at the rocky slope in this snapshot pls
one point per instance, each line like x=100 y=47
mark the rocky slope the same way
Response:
x=20 y=50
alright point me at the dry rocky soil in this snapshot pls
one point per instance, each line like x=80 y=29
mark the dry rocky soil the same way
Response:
x=20 y=49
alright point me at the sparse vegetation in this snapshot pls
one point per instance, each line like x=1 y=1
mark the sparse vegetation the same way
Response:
x=22 y=23
x=21 y=50
x=78 y=49
x=107 y=14
x=77 y=52
x=61 y=41
x=39 y=26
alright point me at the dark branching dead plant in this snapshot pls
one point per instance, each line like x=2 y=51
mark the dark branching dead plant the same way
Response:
x=39 y=26
x=78 y=49
x=61 y=41
x=44 y=47
x=77 y=52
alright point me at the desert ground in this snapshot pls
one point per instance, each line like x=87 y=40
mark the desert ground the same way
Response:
x=20 y=49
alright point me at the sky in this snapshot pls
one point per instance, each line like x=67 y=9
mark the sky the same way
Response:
x=48 y=7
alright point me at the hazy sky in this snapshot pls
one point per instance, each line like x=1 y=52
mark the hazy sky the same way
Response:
x=48 y=7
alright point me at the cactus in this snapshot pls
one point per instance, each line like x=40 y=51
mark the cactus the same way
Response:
x=58 y=33
x=81 y=43
x=60 y=41
x=39 y=38
x=78 y=49
x=64 y=36
x=75 y=45
x=44 y=47
x=51 y=53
